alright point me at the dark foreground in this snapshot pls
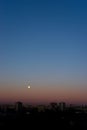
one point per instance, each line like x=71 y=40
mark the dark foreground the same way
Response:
x=68 y=120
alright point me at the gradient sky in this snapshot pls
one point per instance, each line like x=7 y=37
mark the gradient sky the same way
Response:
x=44 y=42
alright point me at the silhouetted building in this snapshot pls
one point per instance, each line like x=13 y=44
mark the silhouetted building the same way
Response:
x=4 y=108
x=62 y=106
x=41 y=108
x=19 y=106
x=54 y=105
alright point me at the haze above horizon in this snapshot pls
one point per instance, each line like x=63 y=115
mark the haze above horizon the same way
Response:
x=43 y=42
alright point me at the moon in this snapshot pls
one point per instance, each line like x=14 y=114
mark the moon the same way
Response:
x=29 y=86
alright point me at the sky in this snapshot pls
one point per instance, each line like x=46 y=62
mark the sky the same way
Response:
x=43 y=44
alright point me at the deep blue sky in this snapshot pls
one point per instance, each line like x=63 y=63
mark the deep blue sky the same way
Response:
x=43 y=41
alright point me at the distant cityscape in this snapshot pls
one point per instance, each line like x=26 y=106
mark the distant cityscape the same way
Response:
x=61 y=106
x=56 y=115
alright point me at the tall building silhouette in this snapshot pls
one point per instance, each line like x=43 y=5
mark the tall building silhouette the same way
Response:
x=19 y=106
x=62 y=106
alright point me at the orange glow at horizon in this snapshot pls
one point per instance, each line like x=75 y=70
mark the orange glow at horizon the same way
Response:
x=43 y=94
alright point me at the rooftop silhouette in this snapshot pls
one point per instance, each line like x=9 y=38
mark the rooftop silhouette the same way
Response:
x=54 y=115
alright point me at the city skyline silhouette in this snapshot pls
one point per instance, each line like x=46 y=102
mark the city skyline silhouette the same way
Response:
x=43 y=64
